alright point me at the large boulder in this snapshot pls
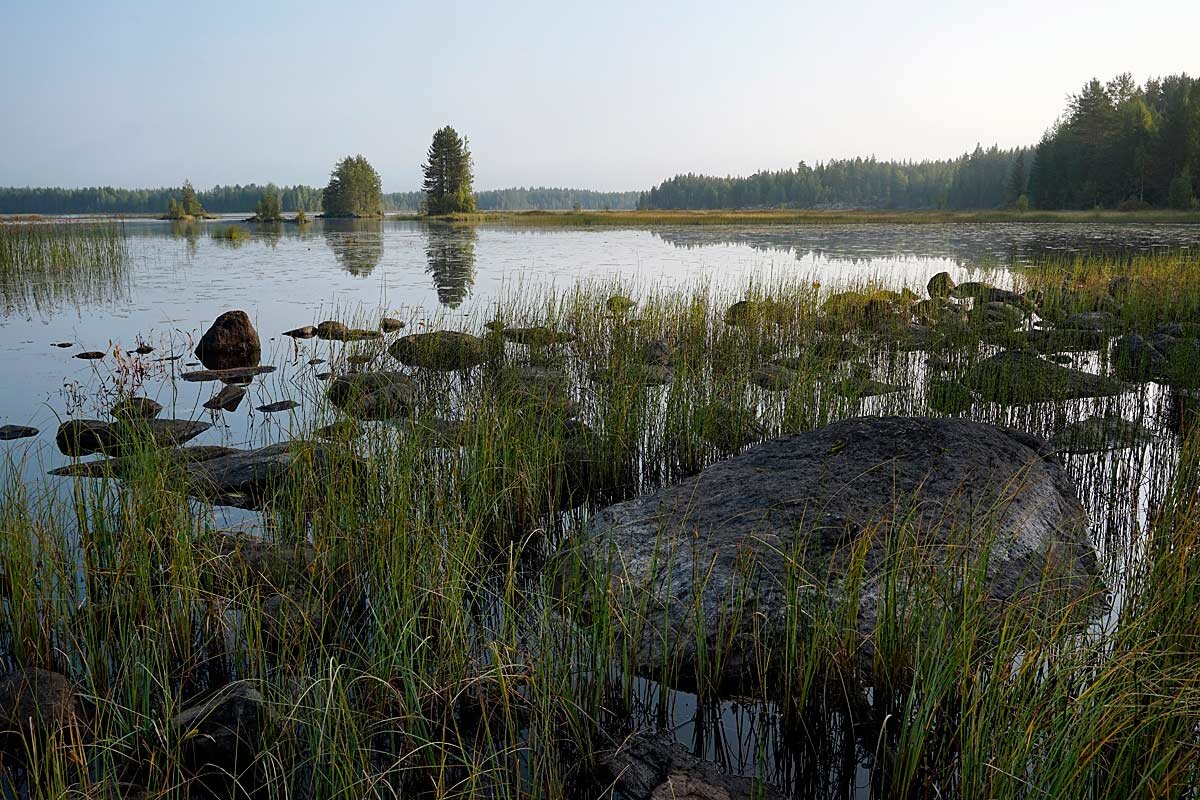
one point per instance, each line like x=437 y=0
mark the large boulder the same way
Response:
x=1016 y=378
x=940 y=285
x=230 y=341
x=794 y=510
x=446 y=351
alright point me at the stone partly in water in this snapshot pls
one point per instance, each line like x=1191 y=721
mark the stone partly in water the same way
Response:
x=252 y=478
x=1170 y=355
x=136 y=408
x=949 y=397
x=814 y=502
x=332 y=329
x=653 y=766
x=82 y=437
x=1099 y=434
x=121 y=466
x=35 y=700
x=277 y=406
x=374 y=395
x=1059 y=340
x=303 y=332
x=10 y=432
x=90 y=355
x=219 y=738
x=619 y=304
x=227 y=375
x=940 y=285
x=390 y=325
x=228 y=399
x=446 y=351
x=1017 y=378
x=143 y=349
x=230 y=341
x=773 y=377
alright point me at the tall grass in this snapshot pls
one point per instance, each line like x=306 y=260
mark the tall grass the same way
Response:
x=422 y=624
x=46 y=264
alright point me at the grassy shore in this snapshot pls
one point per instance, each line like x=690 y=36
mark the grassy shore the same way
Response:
x=803 y=217
x=411 y=616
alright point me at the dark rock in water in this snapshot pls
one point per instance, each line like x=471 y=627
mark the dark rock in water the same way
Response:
x=1059 y=358
x=389 y=325
x=312 y=362
x=81 y=437
x=773 y=377
x=234 y=374
x=1090 y=321
x=536 y=336
x=656 y=351
x=38 y=700
x=1057 y=340
x=940 y=285
x=90 y=355
x=10 y=432
x=442 y=350
x=359 y=359
x=1171 y=355
x=619 y=304
x=1099 y=434
x=1016 y=378
x=167 y=358
x=62 y=344
x=228 y=399
x=994 y=314
x=653 y=766
x=143 y=349
x=727 y=427
x=251 y=478
x=373 y=395
x=278 y=405
x=121 y=466
x=229 y=342
x=303 y=332
x=986 y=293
x=949 y=397
x=807 y=504
x=340 y=430
x=860 y=383
x=743 y=312
x=219 y=738
x=243 y=559
x=136 y=408
x=323 y=376
x=332 y=329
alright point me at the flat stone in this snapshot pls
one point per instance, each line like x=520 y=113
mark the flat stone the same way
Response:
x=90 y=355
x=1017 y=378
x=442 y=350
x=228 y=399
x=277 y=406
x=10 y=432
x=81 y=437
x=373 y=395
x=303 y=332
x=1099 y=434
x=136 y=408
x=236 y=373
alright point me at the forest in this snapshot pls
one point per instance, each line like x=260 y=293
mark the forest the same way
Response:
x=1116 y=145
x=520 y=198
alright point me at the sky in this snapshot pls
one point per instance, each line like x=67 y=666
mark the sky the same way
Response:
x=616 y=95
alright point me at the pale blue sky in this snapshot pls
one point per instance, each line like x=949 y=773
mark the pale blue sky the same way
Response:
x=605 y=95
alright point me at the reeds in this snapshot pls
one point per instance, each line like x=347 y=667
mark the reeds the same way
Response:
x=416 y=626
x=47 y=264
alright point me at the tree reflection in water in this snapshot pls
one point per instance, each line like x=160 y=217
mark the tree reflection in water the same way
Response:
x=357 y=244
x=450 y=250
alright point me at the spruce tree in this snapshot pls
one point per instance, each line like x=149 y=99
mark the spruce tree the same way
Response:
x=354 y=190
x=191 y=203
x=1016 y=180
x=448 y=175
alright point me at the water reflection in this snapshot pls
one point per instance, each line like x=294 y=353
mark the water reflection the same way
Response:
x=357 y=244
x=450 y=251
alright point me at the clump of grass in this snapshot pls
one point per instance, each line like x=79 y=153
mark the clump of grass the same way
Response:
x=232 y=234
x=46 y=264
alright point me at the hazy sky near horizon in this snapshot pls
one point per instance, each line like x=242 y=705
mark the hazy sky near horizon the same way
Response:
x=612 y=95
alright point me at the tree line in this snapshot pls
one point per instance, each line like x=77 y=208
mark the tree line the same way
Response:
x=114 y=200
x=1117 y=145
x=532 y=198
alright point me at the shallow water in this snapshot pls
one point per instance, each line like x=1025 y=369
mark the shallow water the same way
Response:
x=180 y=278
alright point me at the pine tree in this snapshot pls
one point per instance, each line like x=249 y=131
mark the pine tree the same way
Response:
x=448 y=175
x=174 y=210
x=354 y=190
x=268 y=209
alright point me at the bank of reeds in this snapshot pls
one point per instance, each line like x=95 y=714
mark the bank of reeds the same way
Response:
x=43 y=264
x=413 y=619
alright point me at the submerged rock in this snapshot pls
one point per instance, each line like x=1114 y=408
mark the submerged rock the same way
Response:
x=445 y=351
x=949 y=397
x=230 y=341
x=1098 y=434
x=955 y=488
x=251 y=478
x=81 y=437
x=634 y=374
x=1017 y=378
x=278 y=405
x=228 y=399
x=654 y=766
x=773 y=377
x=10 y=432
x=373 y=395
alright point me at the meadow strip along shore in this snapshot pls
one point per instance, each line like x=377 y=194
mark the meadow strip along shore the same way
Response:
x=938 y=532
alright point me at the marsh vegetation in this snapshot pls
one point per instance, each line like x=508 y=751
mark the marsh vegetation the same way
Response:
x=417 y=608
